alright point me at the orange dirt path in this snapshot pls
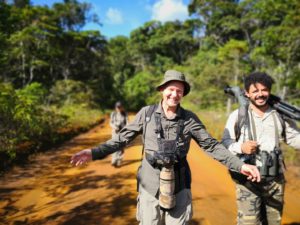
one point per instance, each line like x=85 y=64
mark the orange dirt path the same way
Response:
x=48 y=190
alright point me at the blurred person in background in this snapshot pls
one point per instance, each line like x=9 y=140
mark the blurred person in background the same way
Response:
x=118 y=120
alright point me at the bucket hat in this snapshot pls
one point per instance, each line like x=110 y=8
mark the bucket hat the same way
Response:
x=173 y=75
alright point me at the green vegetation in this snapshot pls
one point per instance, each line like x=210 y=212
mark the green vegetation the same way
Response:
x=29 y=122
x=55 y=77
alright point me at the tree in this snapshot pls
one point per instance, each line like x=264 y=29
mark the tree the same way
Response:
x=142 y=54
x=274 y=35
x=120 y=63
x=138 y=92
x=175 y=40
x=220 y=19
x=72 y=15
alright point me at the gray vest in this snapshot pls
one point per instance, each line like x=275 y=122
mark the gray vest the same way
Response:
x=148 y=175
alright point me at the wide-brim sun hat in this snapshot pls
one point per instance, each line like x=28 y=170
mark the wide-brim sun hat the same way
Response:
x=173 y=75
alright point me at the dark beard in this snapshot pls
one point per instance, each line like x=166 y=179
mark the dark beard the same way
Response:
x=259 y=106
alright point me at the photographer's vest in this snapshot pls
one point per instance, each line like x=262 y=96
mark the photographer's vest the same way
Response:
x=149 y=171
x=243 y=122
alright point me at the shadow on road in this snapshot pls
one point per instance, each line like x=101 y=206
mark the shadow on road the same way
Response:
x=94 y=210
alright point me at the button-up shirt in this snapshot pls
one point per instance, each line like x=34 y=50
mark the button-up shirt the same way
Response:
x=265 y=132
x=193 y=129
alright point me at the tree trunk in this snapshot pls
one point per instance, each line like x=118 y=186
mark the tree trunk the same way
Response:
x=23 y=57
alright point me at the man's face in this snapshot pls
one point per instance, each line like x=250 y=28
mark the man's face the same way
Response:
x=172 y=93
x=258 y=94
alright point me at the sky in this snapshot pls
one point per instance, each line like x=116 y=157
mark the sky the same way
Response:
x=120 y=17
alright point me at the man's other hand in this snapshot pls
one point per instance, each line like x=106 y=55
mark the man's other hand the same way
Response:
x=251 y=172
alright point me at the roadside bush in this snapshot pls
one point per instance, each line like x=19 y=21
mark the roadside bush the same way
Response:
x=29 y=123
x=25 y=121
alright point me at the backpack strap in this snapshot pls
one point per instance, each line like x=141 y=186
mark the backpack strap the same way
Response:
x=242 y=120
x=282 y=122
x=149 y=113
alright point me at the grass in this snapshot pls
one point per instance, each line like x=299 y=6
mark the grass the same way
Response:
x=81 y=116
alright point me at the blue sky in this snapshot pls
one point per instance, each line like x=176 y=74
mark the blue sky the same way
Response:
x=119 y=17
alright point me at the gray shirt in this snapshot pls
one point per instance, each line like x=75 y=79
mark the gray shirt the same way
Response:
x=193 y=129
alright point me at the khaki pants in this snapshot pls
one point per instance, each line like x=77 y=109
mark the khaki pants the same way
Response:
x=260 y=204
x=149 y=212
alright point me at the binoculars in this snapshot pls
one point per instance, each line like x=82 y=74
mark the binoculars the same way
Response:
x=270 y=163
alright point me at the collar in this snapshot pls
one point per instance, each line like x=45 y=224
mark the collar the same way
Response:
x=179 y=110
x=266 y=114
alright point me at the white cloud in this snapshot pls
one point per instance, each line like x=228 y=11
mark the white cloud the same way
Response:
x=114 y=16
x=169 y=10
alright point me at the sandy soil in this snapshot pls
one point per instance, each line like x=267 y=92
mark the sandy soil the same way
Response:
x=48 y=190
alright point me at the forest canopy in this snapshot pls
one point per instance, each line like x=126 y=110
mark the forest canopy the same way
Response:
x=50 y=68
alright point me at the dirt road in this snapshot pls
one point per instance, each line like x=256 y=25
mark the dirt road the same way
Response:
x=49 y=191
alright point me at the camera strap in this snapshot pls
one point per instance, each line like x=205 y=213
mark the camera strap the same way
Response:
x=282 y=167
x=276 y=131
x=159 y=129
x=160 y=134
x=254 y=137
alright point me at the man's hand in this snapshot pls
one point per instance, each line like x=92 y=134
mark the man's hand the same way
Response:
x=249 y=147
x=251 y=172
x=81 y=157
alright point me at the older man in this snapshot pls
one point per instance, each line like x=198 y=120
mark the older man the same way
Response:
x=167 y=129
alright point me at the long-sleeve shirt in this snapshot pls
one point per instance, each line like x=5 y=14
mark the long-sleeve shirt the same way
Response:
x=193 y=128
x=265 y=132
